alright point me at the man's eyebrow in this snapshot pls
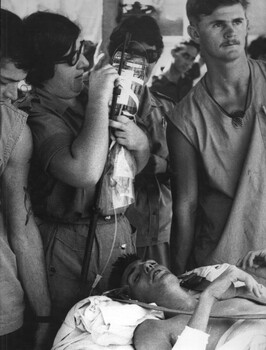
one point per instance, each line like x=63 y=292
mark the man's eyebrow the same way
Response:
x=217 y=21
x=224 y=21
x=239 y=19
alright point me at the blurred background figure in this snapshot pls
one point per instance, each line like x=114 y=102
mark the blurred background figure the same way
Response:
x=257 y=48
x=176 y=79
x=201 y=68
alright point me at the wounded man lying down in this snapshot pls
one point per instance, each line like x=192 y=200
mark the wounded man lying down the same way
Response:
x=228 y=292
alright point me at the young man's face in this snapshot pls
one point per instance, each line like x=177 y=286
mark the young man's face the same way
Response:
x=184 y=58
x=67 y=81
x=150 y=282
x=10 y=76
x=222 y=35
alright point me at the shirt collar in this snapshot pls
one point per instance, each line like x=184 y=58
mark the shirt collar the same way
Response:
x=148 y=102
x=47 y=99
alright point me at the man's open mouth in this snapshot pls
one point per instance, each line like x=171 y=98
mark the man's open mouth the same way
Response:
x=158 y=273
x=230 y=43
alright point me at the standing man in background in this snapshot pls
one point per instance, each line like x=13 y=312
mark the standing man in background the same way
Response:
x=217 y=139
x=176 y=80
x=22 y=267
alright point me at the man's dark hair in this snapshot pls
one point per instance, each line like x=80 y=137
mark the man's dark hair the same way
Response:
x=119 y=268
x=184 y=42
x=142 y=29
x=12 y=39
x=197 y=8
x=257 y=47
x=49 y=37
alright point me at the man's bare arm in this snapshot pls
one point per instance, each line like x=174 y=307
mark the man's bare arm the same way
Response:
x=220 y=289
x=152 y=335
x=131 y=136
x=184 y=186
x=82 y=164
x=23 y=233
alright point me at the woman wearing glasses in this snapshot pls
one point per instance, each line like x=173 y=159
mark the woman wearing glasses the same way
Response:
x=70 y=124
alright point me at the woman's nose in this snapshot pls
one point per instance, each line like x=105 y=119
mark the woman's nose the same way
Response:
x=83 y=62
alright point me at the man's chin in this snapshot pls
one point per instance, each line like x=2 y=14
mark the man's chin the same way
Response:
x=166 y=277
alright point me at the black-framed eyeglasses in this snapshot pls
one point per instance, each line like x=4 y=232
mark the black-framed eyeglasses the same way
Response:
x=151 y=55
x=72 y=58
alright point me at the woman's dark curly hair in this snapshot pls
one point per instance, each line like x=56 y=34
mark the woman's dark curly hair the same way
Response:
x=12 y=39
x=49 y=37
x=143 y=29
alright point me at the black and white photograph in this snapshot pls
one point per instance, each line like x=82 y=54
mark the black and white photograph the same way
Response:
x=133 y=175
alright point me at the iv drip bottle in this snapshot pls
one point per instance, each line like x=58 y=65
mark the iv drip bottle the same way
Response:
x=131 y=83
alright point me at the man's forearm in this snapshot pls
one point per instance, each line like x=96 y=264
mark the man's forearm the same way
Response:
x=142 y=157
x=27 y=246
x=22 y=231
x=194 y=336
x=184 y=187
x=82 y=164
x=200 y=318
x=90 y=147
x=181 y=239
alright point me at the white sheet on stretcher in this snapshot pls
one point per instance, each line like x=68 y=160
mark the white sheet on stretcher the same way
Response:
x=98 y=323
x=244 y=335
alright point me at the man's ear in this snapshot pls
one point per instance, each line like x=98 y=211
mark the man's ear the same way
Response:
x=248 y=25
x=193 y=33
x=173 y=52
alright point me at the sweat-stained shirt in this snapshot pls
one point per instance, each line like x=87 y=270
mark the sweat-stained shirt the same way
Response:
x=232 y=172
x=12 y=123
